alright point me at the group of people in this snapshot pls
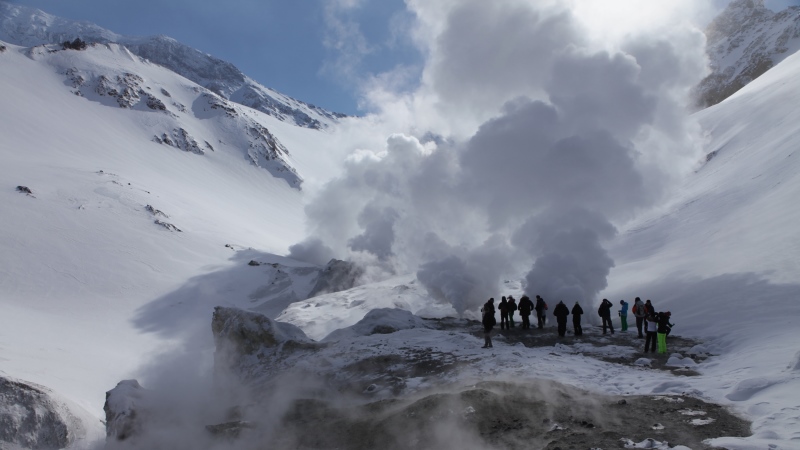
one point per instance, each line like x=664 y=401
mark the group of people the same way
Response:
x=653 y=326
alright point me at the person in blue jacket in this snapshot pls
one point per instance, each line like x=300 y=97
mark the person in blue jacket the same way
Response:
x=623 y=314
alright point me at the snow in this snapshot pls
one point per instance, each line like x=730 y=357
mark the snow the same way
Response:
x=92 y=290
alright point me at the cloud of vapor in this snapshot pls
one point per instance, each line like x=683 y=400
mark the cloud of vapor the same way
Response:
x=524 y=147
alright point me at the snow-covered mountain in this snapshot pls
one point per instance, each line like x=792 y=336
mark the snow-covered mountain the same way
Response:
x=31 y=27
x=124 y=235
x=745 y=41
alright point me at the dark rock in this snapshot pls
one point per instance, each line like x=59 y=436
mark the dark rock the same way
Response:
x=622 y=402
x=76 y=44
x=31 y=418
x=124 y=411
x=155 y=212
x=24 y=189
x=168 y=226
x=229 y=430
x=253 y=263
x=337 y=276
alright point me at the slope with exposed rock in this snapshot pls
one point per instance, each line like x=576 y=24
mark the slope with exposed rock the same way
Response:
x=745 y=41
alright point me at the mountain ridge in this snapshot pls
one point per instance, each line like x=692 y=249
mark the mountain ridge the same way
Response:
x=30 y=27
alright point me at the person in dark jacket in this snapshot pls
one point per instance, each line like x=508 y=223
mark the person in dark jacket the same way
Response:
x=512 y=306
x=605 y=313
x=663 y=329
x=577 y=311
x=503 y=307
x=561 y=312
x=525 y=307
x=488 y=322
x=540 y=307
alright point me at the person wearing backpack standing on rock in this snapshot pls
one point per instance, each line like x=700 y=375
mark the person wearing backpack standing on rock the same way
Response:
x=512 y=306
x=623 y=315
x=640 y=313
x=488 y=322
x=577 y=311
x=540 y=307
x=561 y=312
x=503 y=307
x=525 y=307
x=604 y=311
x=652 y=328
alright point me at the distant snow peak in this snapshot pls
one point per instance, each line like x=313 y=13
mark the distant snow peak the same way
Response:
x=30 y=27
x=744 y=41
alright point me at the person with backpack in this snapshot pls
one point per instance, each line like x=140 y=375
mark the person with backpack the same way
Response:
x=503 y=307
x=623 y=315
x=488 y=322
x=512 y=306
x=541 y=307
x=604 y=311
x=640 y=313
x=577 y=311
x=663 y=329
x=525 y=307
x=561 y=312
x=651 y=329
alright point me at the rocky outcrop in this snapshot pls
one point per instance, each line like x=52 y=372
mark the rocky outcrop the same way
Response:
x=180 y=139
x=337 y=276
x=379 y=321
x=124 y=410
x=745 y=41
x=251 y=347
x=31 y=418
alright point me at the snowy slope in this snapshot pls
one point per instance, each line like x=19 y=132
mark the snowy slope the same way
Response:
x=723 y=258
x=82 y=256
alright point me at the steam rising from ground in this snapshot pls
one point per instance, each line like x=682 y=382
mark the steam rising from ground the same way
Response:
x=524 y=146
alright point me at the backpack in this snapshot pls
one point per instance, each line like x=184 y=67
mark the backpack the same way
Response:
x=635 y=309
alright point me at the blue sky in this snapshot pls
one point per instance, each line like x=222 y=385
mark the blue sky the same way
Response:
x=309 y=49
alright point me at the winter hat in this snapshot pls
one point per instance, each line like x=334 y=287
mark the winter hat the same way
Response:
x=621 y=302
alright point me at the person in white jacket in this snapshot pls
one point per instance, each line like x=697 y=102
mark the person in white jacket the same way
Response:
x=640 y=312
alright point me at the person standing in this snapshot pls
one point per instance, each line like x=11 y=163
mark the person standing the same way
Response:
x=623 y=315
x=488 y=322
x=577 y=311
x=652 y=328
x=649 y=311
x=605 y=313
x=525 y=307
x=503 y=307
x=561 y=312
x=512 y=306
x=663 y=327
x=540 y=307
x=640 y=313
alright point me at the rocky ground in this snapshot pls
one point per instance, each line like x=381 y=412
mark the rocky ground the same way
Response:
x=490 y=415
x=593 y=341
